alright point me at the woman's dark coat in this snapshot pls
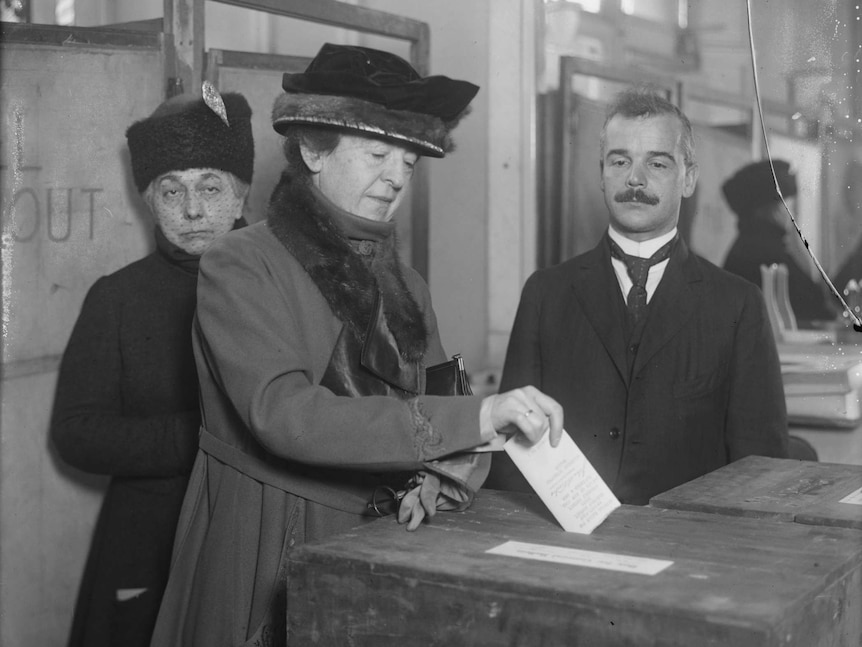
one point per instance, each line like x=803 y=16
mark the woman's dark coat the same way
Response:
x=763 y=243
x=127 y=406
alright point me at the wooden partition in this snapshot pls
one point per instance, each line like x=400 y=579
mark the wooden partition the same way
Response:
x=70 y=214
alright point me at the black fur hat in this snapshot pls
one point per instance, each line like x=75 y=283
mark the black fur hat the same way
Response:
x=375 y=92
x=184 y=132
x=753 y=186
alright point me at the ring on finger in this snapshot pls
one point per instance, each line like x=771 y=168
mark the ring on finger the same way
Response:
x=528 y=413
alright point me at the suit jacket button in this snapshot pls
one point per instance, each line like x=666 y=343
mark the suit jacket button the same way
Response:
x=615 y=432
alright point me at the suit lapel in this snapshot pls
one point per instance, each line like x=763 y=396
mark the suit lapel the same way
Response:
x=594 y=283
x=675 y=301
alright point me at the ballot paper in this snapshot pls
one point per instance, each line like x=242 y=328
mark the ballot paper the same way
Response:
x=854 y=498
x=565 y=481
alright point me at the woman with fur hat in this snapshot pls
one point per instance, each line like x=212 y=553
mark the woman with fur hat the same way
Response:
x=126 y=404
x=311 y=339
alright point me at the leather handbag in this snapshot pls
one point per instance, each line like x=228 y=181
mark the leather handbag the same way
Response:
x=448 y=378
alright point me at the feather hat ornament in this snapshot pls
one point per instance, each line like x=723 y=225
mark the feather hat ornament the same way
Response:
x=213 y=99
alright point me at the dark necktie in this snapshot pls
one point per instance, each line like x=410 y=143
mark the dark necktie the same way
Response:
x=638 y=270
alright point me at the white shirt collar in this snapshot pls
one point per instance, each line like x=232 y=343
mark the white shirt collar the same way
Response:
x=645 y=248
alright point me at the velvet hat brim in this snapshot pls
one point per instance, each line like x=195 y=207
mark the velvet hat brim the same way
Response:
x=375 y=92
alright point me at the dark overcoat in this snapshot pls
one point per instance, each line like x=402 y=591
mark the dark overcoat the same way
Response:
x=126 y=406
x=763 y=243
x=704 y=387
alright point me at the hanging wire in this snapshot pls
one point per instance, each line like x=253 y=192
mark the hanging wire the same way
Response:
x=857 y=323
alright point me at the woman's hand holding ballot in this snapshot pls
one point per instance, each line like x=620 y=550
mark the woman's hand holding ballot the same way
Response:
x=526 y=410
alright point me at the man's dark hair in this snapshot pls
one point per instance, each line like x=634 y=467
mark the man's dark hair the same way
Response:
x=645 y=101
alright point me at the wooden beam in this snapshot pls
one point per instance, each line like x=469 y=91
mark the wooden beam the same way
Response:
x=184 y=55
x=216 y=59
x=339 y=14
x=13 y=32
x=151 y=24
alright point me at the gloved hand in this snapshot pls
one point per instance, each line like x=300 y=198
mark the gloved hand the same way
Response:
x=420 y=501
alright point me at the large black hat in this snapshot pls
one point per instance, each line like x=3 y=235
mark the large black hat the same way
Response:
x=753 y=186
x=375 y=92
x=185 y=132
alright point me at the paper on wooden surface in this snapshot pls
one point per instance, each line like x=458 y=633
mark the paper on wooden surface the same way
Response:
x=854 y=498
x=565 y=481
x=578 y=557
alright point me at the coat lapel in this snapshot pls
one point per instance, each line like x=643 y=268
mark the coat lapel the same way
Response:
x=675 y=301
x=594 y=283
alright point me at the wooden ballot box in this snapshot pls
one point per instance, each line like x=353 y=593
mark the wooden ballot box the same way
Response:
x=504 y=573
x=775 y=488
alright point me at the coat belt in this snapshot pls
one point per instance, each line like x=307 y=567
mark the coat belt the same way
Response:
x=340 y=489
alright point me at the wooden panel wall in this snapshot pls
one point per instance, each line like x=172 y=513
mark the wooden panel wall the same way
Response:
x=70 y=214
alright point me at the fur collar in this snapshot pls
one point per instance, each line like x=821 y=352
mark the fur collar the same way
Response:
x=305 y=227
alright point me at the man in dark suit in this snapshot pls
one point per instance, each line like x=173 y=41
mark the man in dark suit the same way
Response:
x=668 y=370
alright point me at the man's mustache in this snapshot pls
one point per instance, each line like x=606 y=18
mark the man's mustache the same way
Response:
x=636 y=195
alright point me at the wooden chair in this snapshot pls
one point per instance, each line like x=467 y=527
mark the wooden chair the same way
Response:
x=776 y=294
x=800 y=449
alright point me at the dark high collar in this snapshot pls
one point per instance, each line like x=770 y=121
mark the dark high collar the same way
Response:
x=353 y=227
x=179 y=257
x=314 y=231
x=175 y=255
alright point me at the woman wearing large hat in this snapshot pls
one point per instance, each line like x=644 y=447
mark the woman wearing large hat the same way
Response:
x=311 y=340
